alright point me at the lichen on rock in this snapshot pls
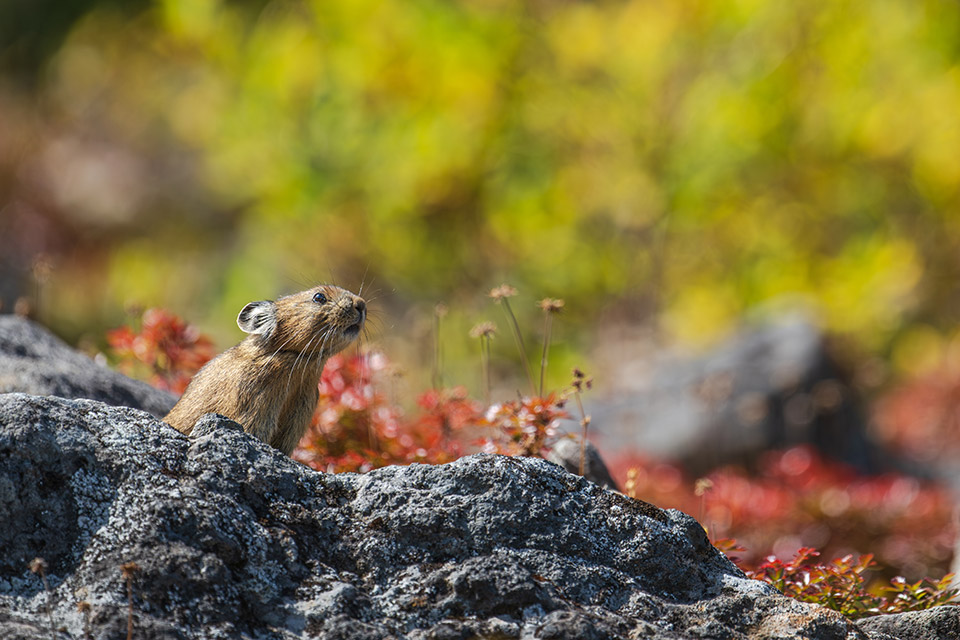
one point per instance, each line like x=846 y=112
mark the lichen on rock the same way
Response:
x=233 y=539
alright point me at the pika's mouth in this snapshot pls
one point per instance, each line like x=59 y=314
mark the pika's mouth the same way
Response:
x=354 y=329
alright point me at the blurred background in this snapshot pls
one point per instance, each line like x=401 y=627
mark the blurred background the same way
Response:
x=675 y=171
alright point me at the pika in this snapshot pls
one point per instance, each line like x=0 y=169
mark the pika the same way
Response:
x=268 y=382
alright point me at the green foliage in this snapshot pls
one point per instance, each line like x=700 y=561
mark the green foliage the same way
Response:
x=688 y=159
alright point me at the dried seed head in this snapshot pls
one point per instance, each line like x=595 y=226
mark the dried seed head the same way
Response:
x=551 y=305
x=503 y=291
x=38 y=565
x=483 y=329
x=128 y=569
x=702 y=486
x=42 y=268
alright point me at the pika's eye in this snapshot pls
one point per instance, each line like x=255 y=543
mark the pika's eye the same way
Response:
x=319 y=298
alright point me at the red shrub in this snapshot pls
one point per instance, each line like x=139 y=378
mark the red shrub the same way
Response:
x=800 y=500
x=169 y=349
x=842 y=584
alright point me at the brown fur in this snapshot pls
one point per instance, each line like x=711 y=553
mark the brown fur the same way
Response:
x=268 y=382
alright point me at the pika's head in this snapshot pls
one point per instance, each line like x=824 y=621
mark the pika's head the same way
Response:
x=319 y=321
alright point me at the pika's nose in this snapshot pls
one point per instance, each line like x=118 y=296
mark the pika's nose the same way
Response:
x=361 y=308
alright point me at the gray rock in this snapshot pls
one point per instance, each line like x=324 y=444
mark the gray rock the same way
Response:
x=234 y=540
x=772 y=386
x=566 y=453
x=33 y=360
x=940 y=622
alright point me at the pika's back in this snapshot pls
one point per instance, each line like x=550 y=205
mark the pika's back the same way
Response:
x=268 y=382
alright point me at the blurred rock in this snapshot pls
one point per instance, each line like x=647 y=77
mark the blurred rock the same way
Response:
x=231 y=539
x=772 y=386
x=566 y=453
x=33 y=360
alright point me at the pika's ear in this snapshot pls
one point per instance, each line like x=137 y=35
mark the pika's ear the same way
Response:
x=258 y=317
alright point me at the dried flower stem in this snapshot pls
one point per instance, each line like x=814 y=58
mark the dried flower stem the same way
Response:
x=547 y=326
x=630 y=487
x=550 y=307
x=584 y=424
x=84 y=607
x=485 y=367
x=579 y=381
x=700 y=489
x=436 y=379
x=519 y=340
x=39 y=566
x=128 y=569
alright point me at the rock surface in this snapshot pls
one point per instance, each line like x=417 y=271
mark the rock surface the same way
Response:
x=234 y=540
x=566 y=453
x=33 y=360
x=941 y=622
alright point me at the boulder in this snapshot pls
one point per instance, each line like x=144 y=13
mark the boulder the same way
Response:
x=772 y=386
x=231 y=539
x=33 y=360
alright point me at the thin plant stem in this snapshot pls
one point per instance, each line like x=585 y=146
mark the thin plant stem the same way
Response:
x=129 y=569
x=579 y=381
x=84 y=607
x=485 y=367
x=519 y=340
x=130 y=608
x=484 y=332
x=437 y=378
x=39 y=566
x=584 y=424
x=547 y=327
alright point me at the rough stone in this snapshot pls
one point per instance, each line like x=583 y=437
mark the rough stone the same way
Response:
x=234 y=540
x=33 y=360
x=942 y=623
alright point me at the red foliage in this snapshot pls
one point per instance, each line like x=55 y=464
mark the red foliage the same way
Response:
x=526 y=427
x=921 y=418
x=842 y=584
x=357 y=429
x=800 y=500
x=169 y=348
